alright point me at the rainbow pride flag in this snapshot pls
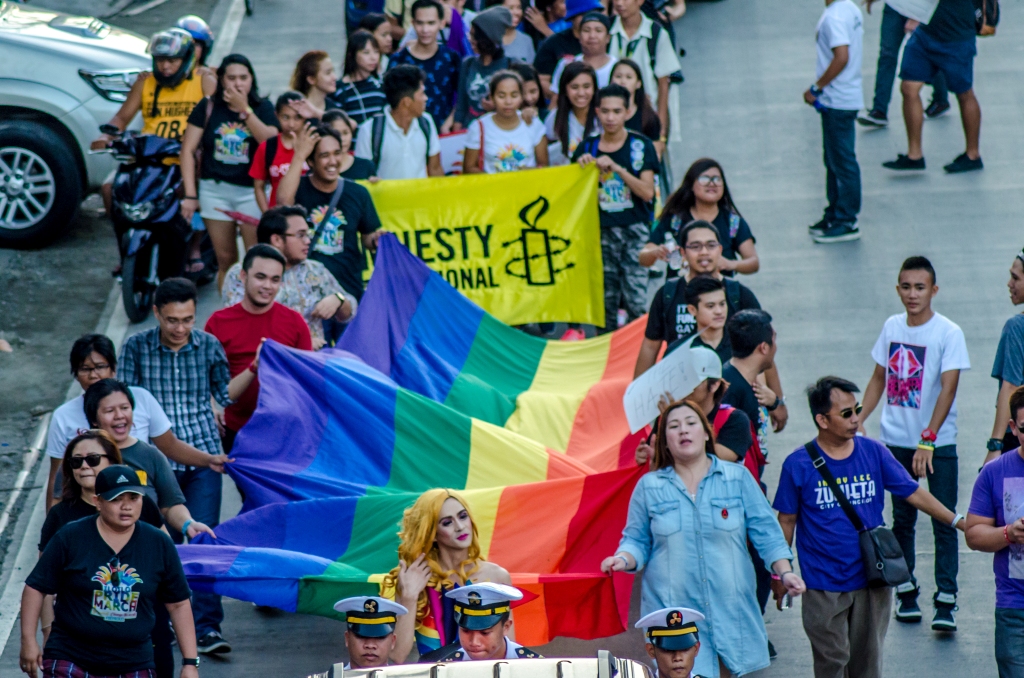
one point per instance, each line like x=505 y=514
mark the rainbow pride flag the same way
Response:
x=551 y=536
x=419 y=330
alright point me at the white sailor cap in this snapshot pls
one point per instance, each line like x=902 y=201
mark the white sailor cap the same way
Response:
x=370 y=616
x=671 y=628
x=480 y=606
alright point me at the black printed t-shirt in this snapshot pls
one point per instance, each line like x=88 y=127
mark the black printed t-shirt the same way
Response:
x=735 y=432
x=618 y=207
x=65 y=512
x=669 y=321
x=740 y=394
x=105 y=609
x=554 y=49
x=733 y=231
x=338 y=244
x=228 y=145
x=360 y=169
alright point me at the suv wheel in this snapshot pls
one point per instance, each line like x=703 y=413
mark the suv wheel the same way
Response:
x=40 y=184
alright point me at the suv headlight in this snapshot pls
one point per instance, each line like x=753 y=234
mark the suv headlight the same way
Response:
x=111 y=85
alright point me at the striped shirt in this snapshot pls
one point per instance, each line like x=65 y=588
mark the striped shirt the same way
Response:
x=361 y=100
x=182 y=381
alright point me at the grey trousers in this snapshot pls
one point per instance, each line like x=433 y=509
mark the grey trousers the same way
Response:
x=847 y=631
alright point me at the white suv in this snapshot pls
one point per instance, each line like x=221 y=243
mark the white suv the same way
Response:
x=61 y=77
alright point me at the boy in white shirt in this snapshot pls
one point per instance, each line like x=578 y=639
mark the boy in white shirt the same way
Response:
x=837 y=94
x=919 y=356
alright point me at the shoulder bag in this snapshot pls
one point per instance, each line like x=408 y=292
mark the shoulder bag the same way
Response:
x=884 y=564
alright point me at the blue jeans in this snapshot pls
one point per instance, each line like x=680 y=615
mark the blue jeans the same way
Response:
x=1010 y=642
x=202 y=489
x=943 y=484
x=842 y=173
x=888 y=54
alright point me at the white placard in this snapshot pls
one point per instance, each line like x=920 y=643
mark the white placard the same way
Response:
x=918 y=10
x=674 y=374
x=453 y=146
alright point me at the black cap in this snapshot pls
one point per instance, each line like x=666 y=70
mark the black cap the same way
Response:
x=115 y=480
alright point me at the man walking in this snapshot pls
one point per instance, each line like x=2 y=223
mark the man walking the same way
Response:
x=918 y=358
x=995 y=523
x=183 y=368
x=845 y=620
x=946 y=45
x=838 y=95
x=1008 y=366
x=895 y=27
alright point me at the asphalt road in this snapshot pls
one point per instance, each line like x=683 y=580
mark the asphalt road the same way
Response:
x=747 y=63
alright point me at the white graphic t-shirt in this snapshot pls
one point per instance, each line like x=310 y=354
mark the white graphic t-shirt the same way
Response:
x=505 y=150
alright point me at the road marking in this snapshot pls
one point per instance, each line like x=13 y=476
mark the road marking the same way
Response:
x=135 y=11
x=116 y=329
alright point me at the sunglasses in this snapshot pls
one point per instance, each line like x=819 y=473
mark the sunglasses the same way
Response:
x=93 y=460
x=849 y=411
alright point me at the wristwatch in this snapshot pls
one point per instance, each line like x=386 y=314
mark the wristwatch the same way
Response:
x=994 y=445
x=779 y=400
x=190 y=662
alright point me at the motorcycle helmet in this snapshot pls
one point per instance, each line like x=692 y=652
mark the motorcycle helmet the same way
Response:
x=200 y=32
x=173 y=44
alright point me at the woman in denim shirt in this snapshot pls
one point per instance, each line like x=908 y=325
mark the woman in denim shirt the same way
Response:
x=688 y=525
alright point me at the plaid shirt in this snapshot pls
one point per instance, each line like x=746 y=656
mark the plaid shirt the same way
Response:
x=182 y=381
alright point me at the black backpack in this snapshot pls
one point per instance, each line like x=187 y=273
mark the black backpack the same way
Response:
x=269 y=152
x=732 y=292
x=377 y=137
x=986 y=17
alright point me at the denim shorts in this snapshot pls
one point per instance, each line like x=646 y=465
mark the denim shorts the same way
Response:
x=924 y=56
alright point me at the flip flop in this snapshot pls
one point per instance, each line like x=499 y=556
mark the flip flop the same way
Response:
x=190 y=268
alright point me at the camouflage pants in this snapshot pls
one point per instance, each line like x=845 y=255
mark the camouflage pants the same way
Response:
x=625 y=280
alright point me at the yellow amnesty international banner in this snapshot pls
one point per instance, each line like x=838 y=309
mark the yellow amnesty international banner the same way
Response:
x=525 y=246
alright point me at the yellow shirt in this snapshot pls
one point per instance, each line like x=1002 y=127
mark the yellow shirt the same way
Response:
x=172 y=106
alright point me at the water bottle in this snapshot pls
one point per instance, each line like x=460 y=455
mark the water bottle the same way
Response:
x=675 y=256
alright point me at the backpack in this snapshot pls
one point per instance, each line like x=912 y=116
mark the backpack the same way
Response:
x=732 y=292
x=652 y=49
x=377 y=137
x=268 y=154
x=754 y=460
x=986 y=17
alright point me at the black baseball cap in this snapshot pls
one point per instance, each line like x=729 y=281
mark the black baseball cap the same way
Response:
x=115 y=480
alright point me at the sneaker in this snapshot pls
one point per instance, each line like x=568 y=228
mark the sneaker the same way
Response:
x=907 y=609
x=875 y=119
x=945 y=609
x=902 y=162
x=936 y=109
x=819 y=227
x=213 y=643
x=964 y=164
x=772 y=654
x=838 y=233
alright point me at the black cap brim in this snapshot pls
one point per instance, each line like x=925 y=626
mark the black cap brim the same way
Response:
x=479 y=622
x=371 y=630
x=675 y=643
x=111 y=495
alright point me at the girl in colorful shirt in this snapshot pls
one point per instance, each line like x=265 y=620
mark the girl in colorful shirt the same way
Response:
x=503 y=141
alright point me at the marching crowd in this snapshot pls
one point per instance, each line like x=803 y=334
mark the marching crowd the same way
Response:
x=135 y=460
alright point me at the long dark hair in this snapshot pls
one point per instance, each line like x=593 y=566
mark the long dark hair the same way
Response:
x=683 y=200
x=484 y=45
x=648 y=117
x=71 y=490
x=356 y=42
x=662 y=455
x=254 y=91
x=529 y=74
x=561 y=126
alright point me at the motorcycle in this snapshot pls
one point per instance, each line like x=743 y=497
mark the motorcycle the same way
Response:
x=146 y=215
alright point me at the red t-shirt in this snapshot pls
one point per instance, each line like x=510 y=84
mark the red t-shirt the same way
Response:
x=240 y=333
x=282 y=160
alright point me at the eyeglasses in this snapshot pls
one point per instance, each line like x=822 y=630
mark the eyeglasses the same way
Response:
x=850 y=411
x=93 y=460
x=710 y=246
x=301 y=235
x=95 y=368
x=707 y=180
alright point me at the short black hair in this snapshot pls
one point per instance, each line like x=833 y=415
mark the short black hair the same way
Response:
x=401 y=82
x=175 y=291
x=336 y=114
x=613 y=90
x=275 y=221
x=426 y=4
x=918 y=263
x=747 y=330
x=100 y=390
x=262 y=251
x=286 y=98
x=87 y=344
x=324 y=131
x=819 y=395
x=684 y=235
x=701 y=284
x=1016 y=402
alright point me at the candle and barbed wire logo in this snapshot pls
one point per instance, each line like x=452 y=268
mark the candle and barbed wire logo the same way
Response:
x=537 y=264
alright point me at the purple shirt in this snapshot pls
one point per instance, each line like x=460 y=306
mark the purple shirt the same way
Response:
x=826 y=542
x=999 y=494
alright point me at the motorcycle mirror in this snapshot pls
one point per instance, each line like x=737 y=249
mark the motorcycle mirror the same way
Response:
x=110 y=130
